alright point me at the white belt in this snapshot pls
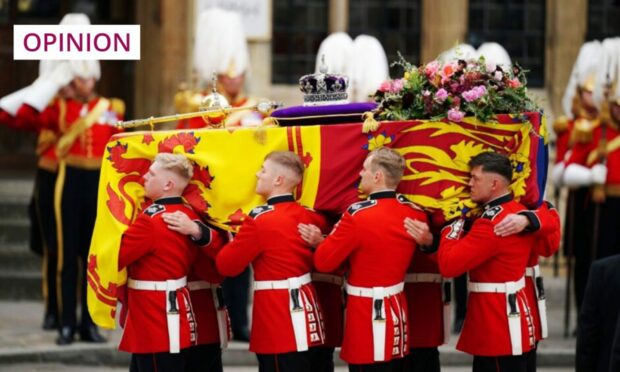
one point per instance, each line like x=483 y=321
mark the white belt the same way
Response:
x=172 y=308
x=508 y=287
x=514 y=315
x=327 y=278
x=296 y=304
x=372 y=292
x=534 y=273
x=423 y=278
x=289 y=283
x=378 y=295
x=220 y=309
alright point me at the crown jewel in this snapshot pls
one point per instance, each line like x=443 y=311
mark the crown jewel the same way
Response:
x=323 y=88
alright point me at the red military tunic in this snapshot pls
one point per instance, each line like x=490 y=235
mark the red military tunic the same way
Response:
x=203 y=281
x=372 y=238
x=489 y=258
x=87 y=150
x=547 y=243
x=423 y=288
x=270 y=241
x=153 y=252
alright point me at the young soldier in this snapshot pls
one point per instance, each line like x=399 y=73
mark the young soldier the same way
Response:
x=286 y=319
x=372 y=238
x=498 y=328
x=159 y=319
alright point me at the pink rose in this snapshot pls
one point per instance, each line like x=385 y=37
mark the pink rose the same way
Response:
x=514 y=83
x=456 y=115
x=397 y=85
x=448 y=70
x=481 y=90
x=385 y=86
x=431 y=69
x=441 y=95
x=470 y=95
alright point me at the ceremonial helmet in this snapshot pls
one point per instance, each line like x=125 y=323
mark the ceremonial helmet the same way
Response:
x=370 y=67
x=461 y=51
x=82 y=68
x=220 y=44
x=607 y=88
x=494 y=53
x=583 y=76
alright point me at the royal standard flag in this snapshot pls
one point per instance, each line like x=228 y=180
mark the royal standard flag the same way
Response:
x=226 y=161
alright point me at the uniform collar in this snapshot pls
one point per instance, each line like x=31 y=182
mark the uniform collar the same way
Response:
x=385 y=194
x=280 y=199
x=169 y=200
x=499 y=200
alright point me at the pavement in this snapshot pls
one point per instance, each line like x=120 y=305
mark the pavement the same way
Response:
x=24 y=346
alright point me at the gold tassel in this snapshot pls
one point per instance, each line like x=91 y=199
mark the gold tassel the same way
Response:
x=370 y=124
x=270 y=120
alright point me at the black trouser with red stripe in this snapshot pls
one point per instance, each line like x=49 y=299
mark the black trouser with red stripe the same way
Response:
x=422 y=359
x=78 y=213
x=298 y=361
x=203 y=358
x=395 y=365
x=43 y=233
x=506 y=363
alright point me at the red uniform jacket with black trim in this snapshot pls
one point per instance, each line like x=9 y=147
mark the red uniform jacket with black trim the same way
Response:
x=547 y=243
x=372 y=238
x=151 y=251
x=489 y=258
x=425 y=304
x=270 y=241
x=203 y=268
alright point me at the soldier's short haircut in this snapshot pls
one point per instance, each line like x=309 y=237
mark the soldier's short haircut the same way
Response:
x=390 y=162
x=493 y=162
x=289 y=160
x=176 y=163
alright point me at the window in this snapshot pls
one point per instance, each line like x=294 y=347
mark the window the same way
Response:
x=298 y=29
x=603 y=18
x=396 y=23
x=518 y=25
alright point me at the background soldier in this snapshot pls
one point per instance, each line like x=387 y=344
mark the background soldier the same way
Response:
x=220 y=48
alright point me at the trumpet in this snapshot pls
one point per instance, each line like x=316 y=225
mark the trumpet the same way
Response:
x=264 y=107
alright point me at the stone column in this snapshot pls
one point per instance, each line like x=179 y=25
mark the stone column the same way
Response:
x=166 y=30
x=566 y=30
x=444 y=24
x=338 y=15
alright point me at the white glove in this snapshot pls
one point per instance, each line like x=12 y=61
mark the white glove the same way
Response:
x=577 y=175
x=557 y=172
x=48 y=85
x=12 y=102
x=599 y=174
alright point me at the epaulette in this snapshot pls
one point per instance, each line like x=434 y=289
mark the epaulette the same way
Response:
x=260 y=210
x=582 y=132
x=356 y=207
x=560 y=125
x=402 y=199
x=154 y=209
x=117 y=105
x=492 y=212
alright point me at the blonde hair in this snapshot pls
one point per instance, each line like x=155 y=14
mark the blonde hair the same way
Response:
x=391 y=163
x=176 y=163
x=289 y=160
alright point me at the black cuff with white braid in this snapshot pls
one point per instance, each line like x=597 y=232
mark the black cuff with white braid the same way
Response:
x=205 y=234
x=534 y=221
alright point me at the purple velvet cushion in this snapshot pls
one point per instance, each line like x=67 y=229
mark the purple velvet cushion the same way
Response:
x=328 y=114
